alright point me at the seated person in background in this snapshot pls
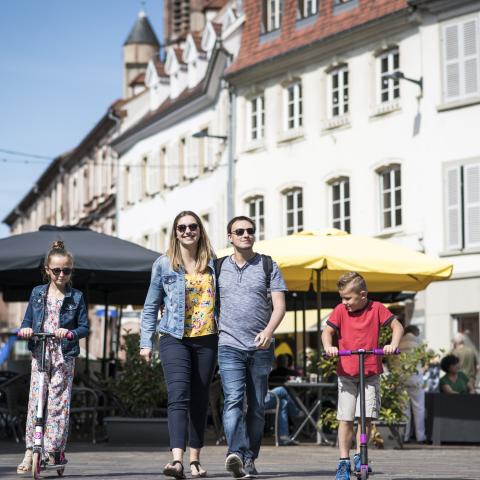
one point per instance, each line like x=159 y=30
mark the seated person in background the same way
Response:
x=288 y=408
x=280 y=374
x=454 y=381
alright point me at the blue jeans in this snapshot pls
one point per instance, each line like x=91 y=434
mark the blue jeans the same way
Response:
x=287 y=409
x=244 y=373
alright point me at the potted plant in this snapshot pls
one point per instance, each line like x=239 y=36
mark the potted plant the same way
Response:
x=140 y=387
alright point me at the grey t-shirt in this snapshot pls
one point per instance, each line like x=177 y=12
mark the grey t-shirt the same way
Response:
x=244 y=306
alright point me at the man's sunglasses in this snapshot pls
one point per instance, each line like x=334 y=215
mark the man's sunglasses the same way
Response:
x=183 y=228
x=240 y=231
x=58 y=271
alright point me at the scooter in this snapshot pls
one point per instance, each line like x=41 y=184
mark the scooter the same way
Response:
x=38 y=455
x=363 y=475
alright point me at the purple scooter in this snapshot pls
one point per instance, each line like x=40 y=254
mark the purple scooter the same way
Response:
x=38 y=461
x=363 y=475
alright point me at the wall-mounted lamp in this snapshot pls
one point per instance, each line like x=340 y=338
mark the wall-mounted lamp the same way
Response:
x=205 y=134
x=401 y=76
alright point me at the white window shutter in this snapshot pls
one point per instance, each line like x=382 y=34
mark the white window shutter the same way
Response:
x=451 y=48
x=167 y=166
x=472 y=205
x=453 y=203
x=174 y=164
x=471 y=60
x=192 y=164
x=209 y=161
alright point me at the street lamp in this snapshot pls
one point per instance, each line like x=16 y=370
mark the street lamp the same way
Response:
x=230 y=172
x=205 y=134
x=401 y=76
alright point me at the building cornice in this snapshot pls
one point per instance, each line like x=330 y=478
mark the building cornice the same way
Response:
x=166 y=115
x=324 y=48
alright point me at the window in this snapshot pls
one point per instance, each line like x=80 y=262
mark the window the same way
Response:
x=206 y=222
x=463 y=206
x=340 y=204
x=171 y=165
x=256 y=213
x=165 y=239
x=293 y=205
x=294 y=107
x=391 y=197
x=461 y=60
x=306 y=8
x=468 y=324
x=257 y=118
x=339 y=92
x=340 y=6
x=272 y=15
x=389 y=63
x=144 y=177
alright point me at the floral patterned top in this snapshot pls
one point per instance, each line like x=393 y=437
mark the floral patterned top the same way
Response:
x=199 y=305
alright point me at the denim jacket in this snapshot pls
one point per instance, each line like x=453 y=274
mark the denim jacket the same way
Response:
x=73 y=317
x=167 y=288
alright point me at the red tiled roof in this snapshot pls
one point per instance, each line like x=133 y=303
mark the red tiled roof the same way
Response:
x=138 y=80
x=179 y=54
x=252 y=51
x=197 y=38
x=215 y=4
x=218 y=28
x=160 y=68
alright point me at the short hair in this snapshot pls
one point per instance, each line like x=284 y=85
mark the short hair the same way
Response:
x=448 y=361
x=238 y=219
x=352 y=278
x=412 y=329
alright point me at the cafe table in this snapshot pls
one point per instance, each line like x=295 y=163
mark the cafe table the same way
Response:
x=314 y=389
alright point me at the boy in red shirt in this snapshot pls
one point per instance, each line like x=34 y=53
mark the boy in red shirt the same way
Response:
x=357 y=323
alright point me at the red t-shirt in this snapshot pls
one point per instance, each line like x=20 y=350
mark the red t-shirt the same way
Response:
x=357 y=330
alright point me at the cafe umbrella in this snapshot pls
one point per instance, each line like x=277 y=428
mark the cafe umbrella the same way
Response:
x=109 y=270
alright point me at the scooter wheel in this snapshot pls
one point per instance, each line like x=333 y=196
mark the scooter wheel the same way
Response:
x=60 y=472
x=36 y=465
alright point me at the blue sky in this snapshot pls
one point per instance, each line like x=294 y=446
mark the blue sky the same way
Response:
x=60 y=68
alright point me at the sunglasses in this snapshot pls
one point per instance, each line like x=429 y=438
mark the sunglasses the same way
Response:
x=240 y=231
x=58 y=271
x=182 y=228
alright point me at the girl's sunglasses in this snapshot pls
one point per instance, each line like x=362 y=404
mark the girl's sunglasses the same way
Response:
x=182 y=228
x=58 y=271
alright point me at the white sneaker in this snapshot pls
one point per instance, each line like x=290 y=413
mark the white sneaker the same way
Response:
x=234 y=465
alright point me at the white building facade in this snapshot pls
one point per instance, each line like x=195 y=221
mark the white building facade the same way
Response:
x=326 y=138
x=163 y=168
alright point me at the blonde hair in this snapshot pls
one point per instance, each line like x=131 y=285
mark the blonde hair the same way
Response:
x=204 y=248
x=354 y=279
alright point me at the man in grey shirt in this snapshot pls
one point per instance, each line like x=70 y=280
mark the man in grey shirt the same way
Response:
x=246 y=351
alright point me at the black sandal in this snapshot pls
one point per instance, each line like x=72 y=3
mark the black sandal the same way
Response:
x=170 y=470
x=197 y=465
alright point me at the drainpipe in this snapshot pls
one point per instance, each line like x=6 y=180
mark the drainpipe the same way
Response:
x=232 y=97
x=112 y=116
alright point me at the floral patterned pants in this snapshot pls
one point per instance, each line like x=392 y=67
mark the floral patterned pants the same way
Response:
x=58 y=389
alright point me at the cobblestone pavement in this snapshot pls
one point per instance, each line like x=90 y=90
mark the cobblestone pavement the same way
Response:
x=306 y=461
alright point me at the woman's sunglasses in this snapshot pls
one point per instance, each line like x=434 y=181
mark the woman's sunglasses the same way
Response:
x=58 y=271
x=182 y=228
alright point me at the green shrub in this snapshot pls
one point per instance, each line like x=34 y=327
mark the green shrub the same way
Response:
x=140 y=386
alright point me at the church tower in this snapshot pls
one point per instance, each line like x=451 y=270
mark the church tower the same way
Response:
x=141 y=45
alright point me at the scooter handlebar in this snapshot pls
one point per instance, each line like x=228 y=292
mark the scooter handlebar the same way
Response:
x=375 y=351
x=69 y=335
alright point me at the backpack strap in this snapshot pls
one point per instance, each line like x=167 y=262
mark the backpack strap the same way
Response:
x=217 y=263
x=267 y=268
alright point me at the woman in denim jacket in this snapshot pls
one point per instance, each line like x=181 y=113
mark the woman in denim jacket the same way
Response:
x=183 y=285
x=54 y=308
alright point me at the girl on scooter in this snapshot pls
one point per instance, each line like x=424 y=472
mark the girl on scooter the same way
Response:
x=54 y=307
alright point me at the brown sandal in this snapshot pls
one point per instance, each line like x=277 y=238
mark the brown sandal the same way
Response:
x=25 y=466
x=197 y=465
x=171 y=471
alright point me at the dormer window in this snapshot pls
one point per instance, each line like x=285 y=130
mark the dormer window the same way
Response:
x=272 y=11
x=306 y=8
